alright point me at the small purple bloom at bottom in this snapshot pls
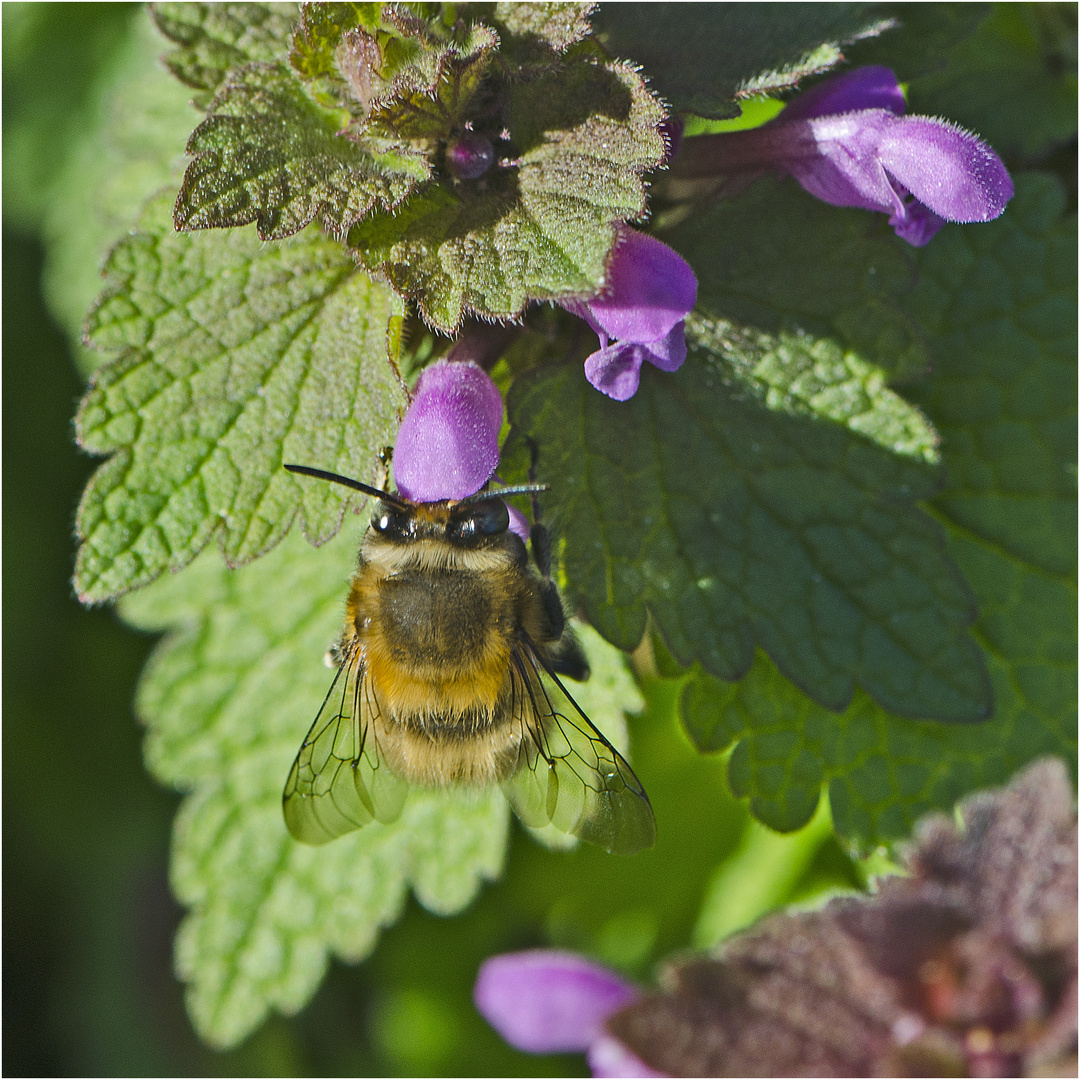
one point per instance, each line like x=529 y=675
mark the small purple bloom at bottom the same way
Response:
x=547 y=1002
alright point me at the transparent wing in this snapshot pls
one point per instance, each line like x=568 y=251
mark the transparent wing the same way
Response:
x=338 y=781
x=569 y=774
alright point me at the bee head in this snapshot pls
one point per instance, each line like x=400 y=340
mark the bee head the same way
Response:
x=469 y=523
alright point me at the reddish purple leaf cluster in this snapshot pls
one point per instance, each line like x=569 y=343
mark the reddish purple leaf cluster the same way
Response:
x=967 y=967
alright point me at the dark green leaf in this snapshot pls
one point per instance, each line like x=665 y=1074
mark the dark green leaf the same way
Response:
x=1013 y=81
x=999 y=304
x=702 y=57
x=733 y=523
x=804 y=375
x=536 y=227
x=268 y=153
x=775 y=258
x=921 y=39
x=216 y=38
x=235 y=357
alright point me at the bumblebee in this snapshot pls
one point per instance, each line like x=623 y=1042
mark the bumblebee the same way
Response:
x=448 y=674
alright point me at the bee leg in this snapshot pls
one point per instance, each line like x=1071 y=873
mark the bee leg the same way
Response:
x=568 y=658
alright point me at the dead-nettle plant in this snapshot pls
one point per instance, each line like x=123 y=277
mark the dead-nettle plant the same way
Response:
x=761 y=462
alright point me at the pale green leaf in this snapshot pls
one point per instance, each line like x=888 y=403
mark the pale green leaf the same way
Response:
x=235 y=357
x=214 y=39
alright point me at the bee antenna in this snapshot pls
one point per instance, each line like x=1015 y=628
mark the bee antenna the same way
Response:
x=367 y=489
x=498 y=493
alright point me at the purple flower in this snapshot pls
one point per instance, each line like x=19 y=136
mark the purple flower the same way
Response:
x=847 y=142
x=548 y=1002
x=639 y=313
x=448 y=443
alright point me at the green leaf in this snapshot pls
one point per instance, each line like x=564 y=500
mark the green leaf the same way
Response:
x=227 y=699
x=999 y=303
x=216 y=38
x=540 y=226
x=804 y=375
x=360 y=55
x=268 y=153
x=920 y=41
x=732 y=523
x=703 y=57
x=556 y=26
x=236 y=357
x=1013 y=81
x=777 y=259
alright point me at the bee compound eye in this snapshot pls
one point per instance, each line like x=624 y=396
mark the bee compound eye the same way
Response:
x=488 y=518
x=492 y=517
x=390 y=522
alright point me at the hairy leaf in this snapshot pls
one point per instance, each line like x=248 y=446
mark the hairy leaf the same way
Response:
x=703 y=57
x=556 y=26
x=999 y=301
x=734 y=524
x=356 y=55
x=979 y=935
x=269 y=153
x=234 y=358
x=227 y=699
x=540 y=224
x=214 y=39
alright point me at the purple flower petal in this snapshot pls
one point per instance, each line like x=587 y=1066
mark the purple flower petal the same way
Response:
x=649 y=288
x=948 y=169
x=870 y=87
x=616 y=370
x=668 y=353
x=519 y=523
x=843 y=168
x=608 y=1057
x=919 y=225
x=448 y=443
x=546 y=1002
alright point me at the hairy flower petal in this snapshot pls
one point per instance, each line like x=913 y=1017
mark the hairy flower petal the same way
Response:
x=448 y=443
x=543 y=1001
x=946 y=168
x=870 y=87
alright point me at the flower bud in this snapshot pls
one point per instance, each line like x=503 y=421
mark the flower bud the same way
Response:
x=469 y=156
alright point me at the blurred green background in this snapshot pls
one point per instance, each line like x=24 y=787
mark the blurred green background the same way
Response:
x=88 y=917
